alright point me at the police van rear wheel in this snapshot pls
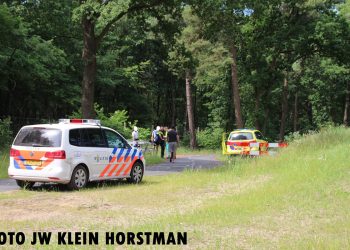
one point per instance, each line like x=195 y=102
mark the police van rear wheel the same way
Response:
x=25 y=184
x=79 y=178
x=136 y=173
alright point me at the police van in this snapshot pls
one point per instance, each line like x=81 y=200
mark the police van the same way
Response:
x=73 y=152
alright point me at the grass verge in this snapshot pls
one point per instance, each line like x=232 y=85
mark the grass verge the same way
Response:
x=4 y=163
x=299 y=199
x=153 y=159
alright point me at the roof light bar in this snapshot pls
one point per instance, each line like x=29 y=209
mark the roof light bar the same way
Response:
x=80 y=121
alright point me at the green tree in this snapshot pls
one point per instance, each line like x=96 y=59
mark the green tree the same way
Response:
x=97 y=18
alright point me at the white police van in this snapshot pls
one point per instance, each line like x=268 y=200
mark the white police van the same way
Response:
x=73 y=152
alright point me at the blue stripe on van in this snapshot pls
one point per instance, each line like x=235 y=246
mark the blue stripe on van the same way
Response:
x=127 y=154
x=114 y=150
x=120 y=153
x=133 y=154
x=16 y=164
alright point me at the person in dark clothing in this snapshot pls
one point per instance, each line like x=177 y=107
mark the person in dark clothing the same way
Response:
x=173 y=139
x=161 y=134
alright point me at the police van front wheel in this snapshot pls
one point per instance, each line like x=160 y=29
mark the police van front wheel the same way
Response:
x=136 y=173
x=79 y=178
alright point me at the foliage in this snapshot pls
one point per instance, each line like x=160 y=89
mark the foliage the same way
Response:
x=118 y=120
x=144 y=134
x=143 y=58
x=5 y=132
x=210 y=138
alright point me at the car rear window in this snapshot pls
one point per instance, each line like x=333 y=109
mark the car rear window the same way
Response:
x=39 y=137
x=241 y=136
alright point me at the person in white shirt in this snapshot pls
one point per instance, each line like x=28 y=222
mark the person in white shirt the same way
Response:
x=135 y=136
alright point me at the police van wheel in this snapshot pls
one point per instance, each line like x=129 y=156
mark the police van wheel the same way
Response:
x=25 y=184
x=79 y=178
x=136 y=173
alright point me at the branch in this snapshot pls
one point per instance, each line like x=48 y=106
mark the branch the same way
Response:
x=131 y=9
x=11 y=56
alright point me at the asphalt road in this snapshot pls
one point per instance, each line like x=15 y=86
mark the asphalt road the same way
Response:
x=181 y=163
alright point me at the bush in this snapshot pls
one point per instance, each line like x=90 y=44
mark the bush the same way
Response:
x=5 y=132
x=119 y=121
x=145 y=134
x=210 y=138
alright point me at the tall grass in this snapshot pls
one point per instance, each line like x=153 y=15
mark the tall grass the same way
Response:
x=4 y=163
x=152 y=158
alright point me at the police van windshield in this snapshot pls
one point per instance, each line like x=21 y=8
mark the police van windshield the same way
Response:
x=241 y=136
x=39 y=137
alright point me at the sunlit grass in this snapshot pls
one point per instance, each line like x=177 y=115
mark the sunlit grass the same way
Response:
x=4 y=163
x=152 y=158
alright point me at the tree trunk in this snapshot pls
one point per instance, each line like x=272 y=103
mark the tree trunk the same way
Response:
x=235 y=88
x=173 y=106
x=191 y=126
x=284 y=108
x=295 y=118
x=90 y=67
x=347 y=105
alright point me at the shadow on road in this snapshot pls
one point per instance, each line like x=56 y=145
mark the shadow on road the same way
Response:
x=53 y=187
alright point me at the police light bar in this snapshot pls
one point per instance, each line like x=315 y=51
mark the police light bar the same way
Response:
x=80 y=121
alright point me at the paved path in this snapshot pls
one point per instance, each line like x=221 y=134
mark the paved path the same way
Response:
x=183 y=162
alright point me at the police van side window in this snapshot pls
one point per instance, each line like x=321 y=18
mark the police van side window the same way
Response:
x=74 y=137
x=91 y=137
x=114 y=140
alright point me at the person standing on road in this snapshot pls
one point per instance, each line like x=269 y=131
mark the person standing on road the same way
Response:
x=161 y=134
x=167 y=155
x=173 y=139
x=135 y=136
x=155 y=139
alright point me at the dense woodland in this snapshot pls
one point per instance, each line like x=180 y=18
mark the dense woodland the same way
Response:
x=206 y=66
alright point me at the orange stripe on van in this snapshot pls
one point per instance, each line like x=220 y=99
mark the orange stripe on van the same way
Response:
x=127 y=171
x=32 y=155
x=104 y=171
x=113 y=169
x=44 y=164
x=121 y=169
x=20 y=163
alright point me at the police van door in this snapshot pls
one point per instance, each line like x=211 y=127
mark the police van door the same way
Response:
x=95 y=149
x=119 y=156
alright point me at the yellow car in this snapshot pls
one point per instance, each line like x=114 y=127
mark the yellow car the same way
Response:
x=239 y=142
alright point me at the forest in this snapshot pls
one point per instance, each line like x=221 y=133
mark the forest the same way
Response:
x=204 y=66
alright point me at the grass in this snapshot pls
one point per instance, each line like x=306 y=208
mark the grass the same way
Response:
x=299 y=199
x=4 y=163
x=187 y=151
x=153 y=159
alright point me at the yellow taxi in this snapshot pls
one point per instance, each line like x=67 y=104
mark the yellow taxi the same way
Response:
x=242 y=141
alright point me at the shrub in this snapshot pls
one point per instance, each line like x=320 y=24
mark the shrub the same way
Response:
x=210 y=138
x=5 y=132
x=119 y=120
x=145 y=134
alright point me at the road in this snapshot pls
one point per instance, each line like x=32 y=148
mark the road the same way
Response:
x=181 y=163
